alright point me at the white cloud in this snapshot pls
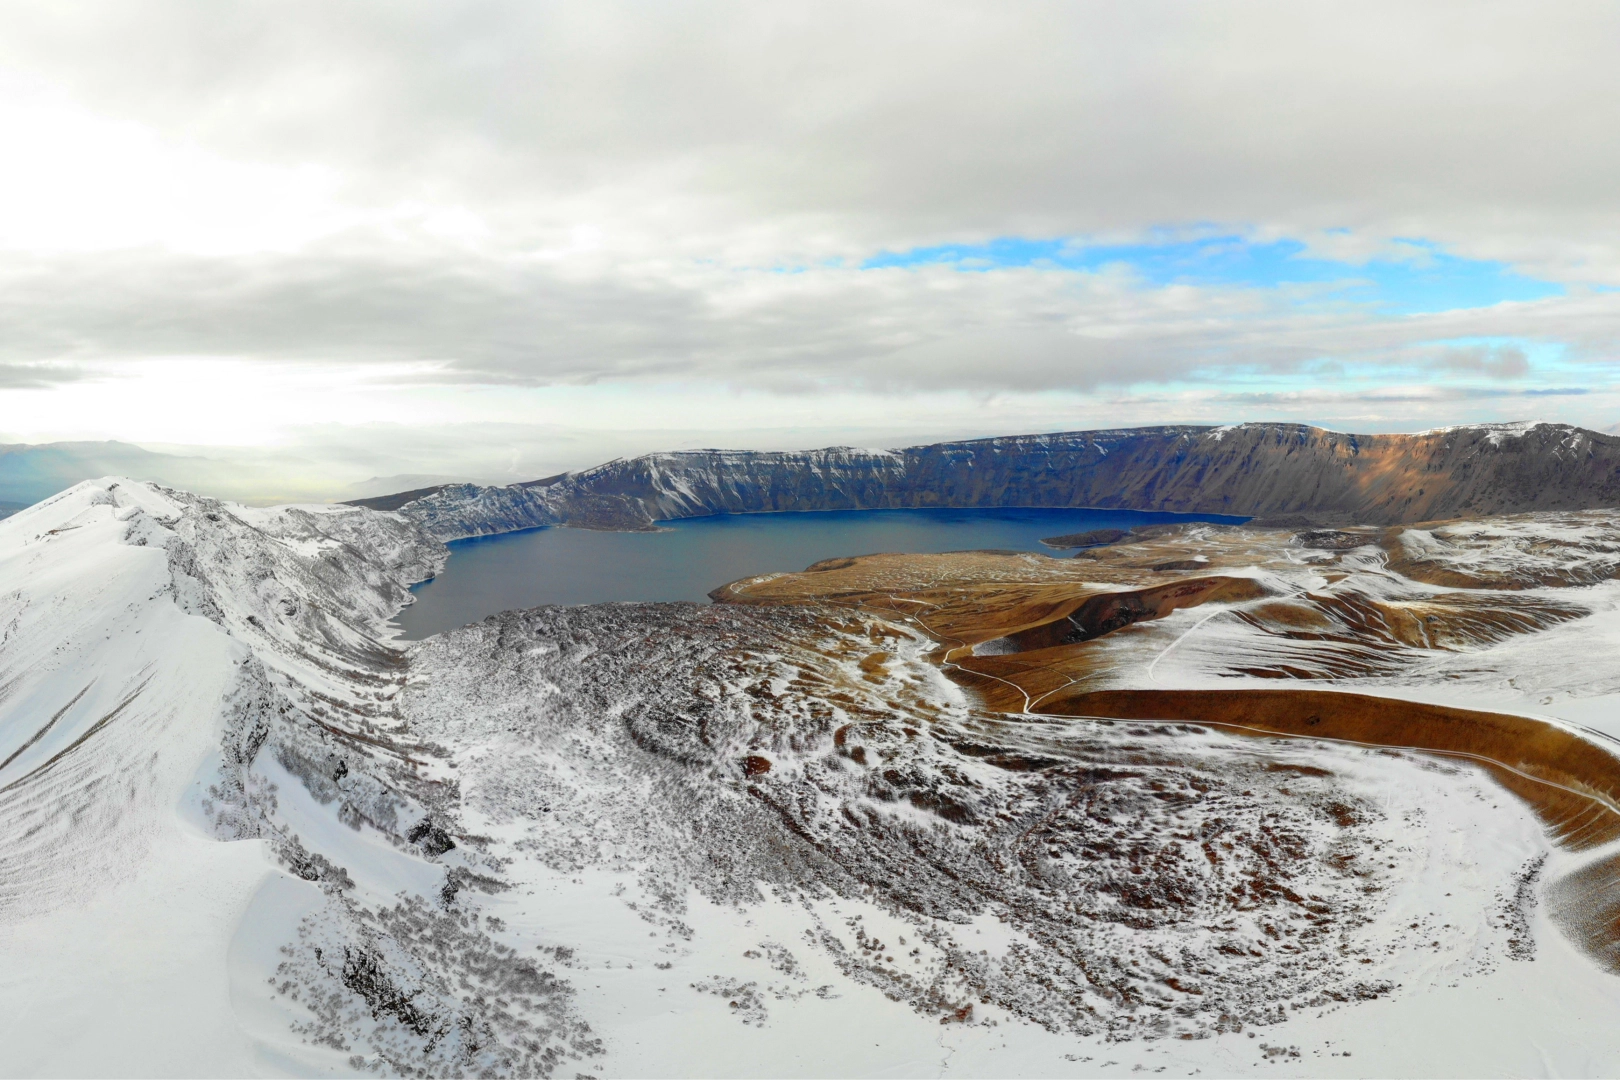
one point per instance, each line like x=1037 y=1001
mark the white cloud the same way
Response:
x=1495 y=361
x=433 y=213
x=738 y=130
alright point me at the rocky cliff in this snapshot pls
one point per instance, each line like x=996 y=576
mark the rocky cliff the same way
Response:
x=1252 y=470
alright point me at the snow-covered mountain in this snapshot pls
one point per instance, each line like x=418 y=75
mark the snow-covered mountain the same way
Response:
x=243 y=831
x=159 y=653
x=1252 y=470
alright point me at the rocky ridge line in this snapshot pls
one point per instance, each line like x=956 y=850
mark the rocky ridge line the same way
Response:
x=1299 y=475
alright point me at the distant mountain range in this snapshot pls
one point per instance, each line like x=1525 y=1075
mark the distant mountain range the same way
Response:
x=30 y=472
x=1294 y=474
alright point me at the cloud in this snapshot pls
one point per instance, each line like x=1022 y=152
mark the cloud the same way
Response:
x=475 y=319
x=1494 y=361
x=1391 y=395
x=33 y=376
x=849 y=128
x=510 y=195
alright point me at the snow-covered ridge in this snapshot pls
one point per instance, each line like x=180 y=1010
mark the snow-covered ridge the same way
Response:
x=1509 y=429
x=283 y=606
x=1260 y=470
x=203 y=770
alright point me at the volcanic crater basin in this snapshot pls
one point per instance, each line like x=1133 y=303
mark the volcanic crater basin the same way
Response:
x=814 y=829
x=1154 y=884
x=1395 y=610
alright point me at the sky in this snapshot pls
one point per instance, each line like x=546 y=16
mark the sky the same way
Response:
x=330 y=244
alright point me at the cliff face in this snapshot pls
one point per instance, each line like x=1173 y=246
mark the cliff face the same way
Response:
x=1254 y=470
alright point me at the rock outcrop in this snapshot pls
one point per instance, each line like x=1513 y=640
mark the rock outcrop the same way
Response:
x=1303 y=474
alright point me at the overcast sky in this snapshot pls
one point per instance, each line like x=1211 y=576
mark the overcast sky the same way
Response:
x=494 y=239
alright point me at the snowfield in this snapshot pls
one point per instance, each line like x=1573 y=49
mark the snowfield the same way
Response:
x=243 y=832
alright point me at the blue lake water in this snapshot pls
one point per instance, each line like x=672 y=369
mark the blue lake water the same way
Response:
x=576 y=566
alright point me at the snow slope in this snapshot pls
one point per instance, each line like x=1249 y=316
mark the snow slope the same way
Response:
x=152 y=643
x=243 y=833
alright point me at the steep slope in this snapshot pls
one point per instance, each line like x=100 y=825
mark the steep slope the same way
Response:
x=176 y=672
x=243 y=832
x=1252 y=470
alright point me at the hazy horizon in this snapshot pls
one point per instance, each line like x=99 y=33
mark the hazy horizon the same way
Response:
x=335 y=472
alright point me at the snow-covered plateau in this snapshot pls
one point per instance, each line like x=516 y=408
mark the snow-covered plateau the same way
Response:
x=245 y=832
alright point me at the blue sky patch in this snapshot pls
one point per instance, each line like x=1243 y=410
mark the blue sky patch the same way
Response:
x=1431 y=280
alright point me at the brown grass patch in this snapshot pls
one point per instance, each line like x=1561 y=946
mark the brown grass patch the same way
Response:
x=1045 y=617
x=1572 y=783
x=1099 y=613
x=1586 y=906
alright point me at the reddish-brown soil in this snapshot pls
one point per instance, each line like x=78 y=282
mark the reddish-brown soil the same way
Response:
x=1571 y=782
x=1042 y=618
